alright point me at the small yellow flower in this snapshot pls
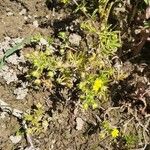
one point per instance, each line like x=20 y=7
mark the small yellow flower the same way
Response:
x=115 y=133
x=98 y=84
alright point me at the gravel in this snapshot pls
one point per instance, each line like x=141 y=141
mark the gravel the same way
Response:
x=21 y=92
x=8 y=74
x=79 y=123
x=15 y=139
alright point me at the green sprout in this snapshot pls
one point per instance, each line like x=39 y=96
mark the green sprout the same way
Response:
x=36 y=120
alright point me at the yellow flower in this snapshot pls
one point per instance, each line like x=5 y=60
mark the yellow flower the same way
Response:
x=115 y=133
x=98 y=84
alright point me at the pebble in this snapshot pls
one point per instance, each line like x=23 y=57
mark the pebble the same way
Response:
x=21 y=92
x=15 y=139
x=8 y=74
x=35 y=23
x=15 y=60
x=25 y=18
x=80 y=123
x=9 y=14
x=23 y=12
x=43 y=41
x=74 y=39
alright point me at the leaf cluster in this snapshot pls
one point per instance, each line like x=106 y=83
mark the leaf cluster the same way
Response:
x=92 y=70
x=36 y=120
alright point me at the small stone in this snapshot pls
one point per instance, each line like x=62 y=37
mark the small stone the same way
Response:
x=35 y=23
x=25 y=18
x=8 y=9
x=43 y=41
x=14 y=59
x=8 y=74
x=9 y=14
x=80 y=123
x=7 y=38
x=23 y=12
x=15 y=139
x=74 y=39
x=47 y=16
x=21 y=92
x=137 y=31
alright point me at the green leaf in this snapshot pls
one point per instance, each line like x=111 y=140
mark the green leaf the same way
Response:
x=13 y=50
x=147 y=2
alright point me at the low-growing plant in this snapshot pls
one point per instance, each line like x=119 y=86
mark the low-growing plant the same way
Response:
x=44 y=63
x=130 y=139
x=109 y=130
x=93 y=70
x=36 y=120
x=94 y=87
x=109 y=41
x=47 y=67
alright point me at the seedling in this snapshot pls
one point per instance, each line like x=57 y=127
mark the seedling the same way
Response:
x=109 y=130
x=36 y=120
x=131 y=139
